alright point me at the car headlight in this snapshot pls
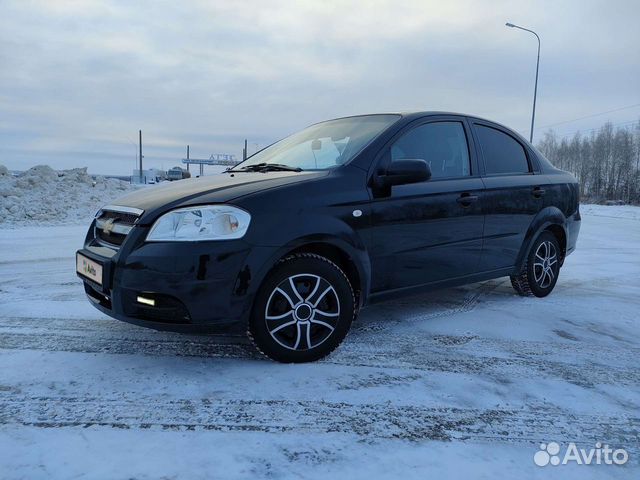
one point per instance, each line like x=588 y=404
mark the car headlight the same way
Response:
x=192 y=224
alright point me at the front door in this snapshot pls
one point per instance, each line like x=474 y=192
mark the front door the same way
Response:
x=429 y=231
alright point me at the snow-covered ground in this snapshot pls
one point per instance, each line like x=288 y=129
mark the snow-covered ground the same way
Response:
x=458 y=383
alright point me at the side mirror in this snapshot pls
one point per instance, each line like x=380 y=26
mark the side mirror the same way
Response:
x=402 y=172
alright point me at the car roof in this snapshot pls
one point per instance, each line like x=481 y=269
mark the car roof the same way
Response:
x=409 y=116
x=419 y=114
x=426 y=113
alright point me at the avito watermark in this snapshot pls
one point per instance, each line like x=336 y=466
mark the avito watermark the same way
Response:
x=602 y=454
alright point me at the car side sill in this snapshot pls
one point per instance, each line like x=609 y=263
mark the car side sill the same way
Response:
x=426 y=287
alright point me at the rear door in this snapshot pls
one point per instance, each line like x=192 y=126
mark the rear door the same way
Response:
x=514 y=193
x=429 y=231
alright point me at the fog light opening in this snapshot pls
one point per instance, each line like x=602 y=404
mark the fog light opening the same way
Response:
x=146 y=301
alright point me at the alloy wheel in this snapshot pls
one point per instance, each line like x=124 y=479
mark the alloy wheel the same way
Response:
x=302 y=311
x=545 y=258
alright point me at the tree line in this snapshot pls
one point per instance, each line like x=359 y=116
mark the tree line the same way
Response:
x=606 y=162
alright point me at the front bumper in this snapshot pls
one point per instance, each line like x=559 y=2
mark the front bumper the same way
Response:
x=196 y=286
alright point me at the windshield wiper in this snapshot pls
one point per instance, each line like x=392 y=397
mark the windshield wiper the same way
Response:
x=268 y=167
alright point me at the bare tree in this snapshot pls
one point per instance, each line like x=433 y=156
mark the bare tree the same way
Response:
x=606 y=163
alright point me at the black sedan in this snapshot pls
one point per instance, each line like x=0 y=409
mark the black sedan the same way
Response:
x=291 y=243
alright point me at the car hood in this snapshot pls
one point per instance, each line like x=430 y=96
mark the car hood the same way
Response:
x=221 y=188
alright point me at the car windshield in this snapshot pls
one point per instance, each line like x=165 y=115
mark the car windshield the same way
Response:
x=321 y=146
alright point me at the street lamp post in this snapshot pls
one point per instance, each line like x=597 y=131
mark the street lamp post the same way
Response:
x=535 y=90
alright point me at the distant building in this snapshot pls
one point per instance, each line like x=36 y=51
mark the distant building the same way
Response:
x=152 y=175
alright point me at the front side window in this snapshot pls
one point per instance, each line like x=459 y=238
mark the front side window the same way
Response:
x=443 y=145
x=502 y=153
x=324 y=145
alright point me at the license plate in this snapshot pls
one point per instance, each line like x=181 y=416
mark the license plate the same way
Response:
x=88 y=268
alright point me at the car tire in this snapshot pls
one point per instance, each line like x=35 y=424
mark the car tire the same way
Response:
x=303 y=310
x=540 y=272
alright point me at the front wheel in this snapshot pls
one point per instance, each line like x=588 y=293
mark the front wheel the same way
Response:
x=540 y=272
x=303 y=310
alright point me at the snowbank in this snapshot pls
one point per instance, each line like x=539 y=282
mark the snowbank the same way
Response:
x=43 y=196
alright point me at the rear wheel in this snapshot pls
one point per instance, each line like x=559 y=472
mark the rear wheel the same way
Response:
x=303 y=311
x=540 y=272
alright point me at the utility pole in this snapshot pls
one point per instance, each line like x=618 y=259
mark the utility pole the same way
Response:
x=244 y=150
x=140 y=143
x=187 y=158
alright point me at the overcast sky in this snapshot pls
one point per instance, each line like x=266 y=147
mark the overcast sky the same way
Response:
x=79 y=78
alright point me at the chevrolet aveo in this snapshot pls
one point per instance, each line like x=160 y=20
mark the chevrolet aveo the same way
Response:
x=292 y=242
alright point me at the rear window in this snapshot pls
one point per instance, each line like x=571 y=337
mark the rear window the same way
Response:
x=502 y=153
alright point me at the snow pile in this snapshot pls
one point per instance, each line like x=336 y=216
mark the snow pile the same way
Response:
x=43 y=196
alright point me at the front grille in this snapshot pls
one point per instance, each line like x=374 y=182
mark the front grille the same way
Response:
x=110 y=238
x=113 y=224
x=124 y=217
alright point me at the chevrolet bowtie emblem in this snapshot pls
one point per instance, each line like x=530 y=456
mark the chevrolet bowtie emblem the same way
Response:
x=107 y=226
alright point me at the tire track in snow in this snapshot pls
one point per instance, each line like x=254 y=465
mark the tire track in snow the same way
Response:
x=371 y=421
x=570 y=361
x=493 y=358
x=63 y=260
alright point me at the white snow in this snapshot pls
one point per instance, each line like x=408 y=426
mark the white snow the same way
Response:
x=43 y=196
x=458 y=383
x=619 y=211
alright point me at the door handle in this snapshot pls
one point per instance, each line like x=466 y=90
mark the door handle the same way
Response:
x=538 y=192
x=466 y=199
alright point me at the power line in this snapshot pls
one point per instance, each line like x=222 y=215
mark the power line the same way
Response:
x=589 y=116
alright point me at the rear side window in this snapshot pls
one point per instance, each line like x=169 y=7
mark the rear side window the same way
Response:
x=443 y=145
x=502 y=153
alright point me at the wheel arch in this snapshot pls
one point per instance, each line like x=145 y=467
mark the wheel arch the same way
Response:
x=353 y=261
x=548 y=219
x=341 y=258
